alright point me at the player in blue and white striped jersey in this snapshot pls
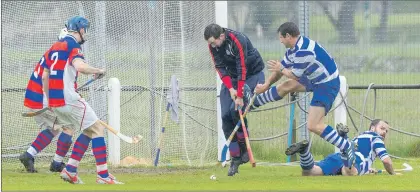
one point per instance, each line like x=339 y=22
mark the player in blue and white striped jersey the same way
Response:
x=309 y=68
x=369 y=146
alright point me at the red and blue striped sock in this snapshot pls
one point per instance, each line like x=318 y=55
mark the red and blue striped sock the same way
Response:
x=42 y=140
x=99 y=151
x=79 y=149
x=234 y=149
x=63 y=146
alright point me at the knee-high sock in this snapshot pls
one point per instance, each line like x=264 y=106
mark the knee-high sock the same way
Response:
x=63 y=146
x=79 y=149
x=306 y=160
x=331 y=136
x=99 y=151
x=270 y=95
x=42 y=140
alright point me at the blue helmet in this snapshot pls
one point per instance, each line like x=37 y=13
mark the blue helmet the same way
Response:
x=74 y=24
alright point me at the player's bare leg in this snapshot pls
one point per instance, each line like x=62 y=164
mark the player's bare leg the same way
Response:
x=349 y=172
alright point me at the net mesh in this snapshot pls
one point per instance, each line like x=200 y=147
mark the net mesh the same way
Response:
x=142 y=44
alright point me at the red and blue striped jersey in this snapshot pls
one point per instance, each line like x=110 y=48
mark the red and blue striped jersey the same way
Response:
x=63 y=76
x=34 y=95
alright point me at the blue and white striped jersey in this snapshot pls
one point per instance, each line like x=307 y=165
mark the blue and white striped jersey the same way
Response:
x=370 y=145
x=310 y=62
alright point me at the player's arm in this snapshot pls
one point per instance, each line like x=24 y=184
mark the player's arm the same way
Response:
x=221 y=68
x=289 y=74
x=380 y=150
x=388 y=165
x=277 y=68
x=274 y=77
x=240 y=49
x=77 y=59
x=45 y=79
x=82 y=67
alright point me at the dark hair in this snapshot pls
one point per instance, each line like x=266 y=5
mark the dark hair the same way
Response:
x=213 y=30
x=375 y=122
x=288 y=27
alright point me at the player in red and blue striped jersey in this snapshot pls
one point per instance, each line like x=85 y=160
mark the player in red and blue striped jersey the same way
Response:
x=47 y=121
x=239 y=64
x=370 y=145
x=67 y=61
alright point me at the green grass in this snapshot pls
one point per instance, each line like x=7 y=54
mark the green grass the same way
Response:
x=180 y=178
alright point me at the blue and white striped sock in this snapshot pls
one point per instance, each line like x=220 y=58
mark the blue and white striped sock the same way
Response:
x=270 y=95
x=306 y=160
x=331 y=136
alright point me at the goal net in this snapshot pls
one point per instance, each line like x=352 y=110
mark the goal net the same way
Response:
x=142 y=44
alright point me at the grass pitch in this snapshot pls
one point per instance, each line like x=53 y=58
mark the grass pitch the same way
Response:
x=262 y=177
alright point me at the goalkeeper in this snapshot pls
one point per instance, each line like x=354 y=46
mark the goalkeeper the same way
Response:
x=239 y=65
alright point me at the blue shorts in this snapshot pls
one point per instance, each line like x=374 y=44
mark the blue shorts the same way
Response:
x=331 y=165
x=325 y=94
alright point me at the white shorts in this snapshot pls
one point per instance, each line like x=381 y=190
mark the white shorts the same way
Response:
x=76 y=115
x=47 y=120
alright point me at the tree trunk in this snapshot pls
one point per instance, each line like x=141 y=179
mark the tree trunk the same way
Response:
x=345 y=22
x=381 y=31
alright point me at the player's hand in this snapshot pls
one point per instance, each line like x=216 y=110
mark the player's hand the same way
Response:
x=233 y=93
x=373 y=171
x=261 y=88
x=239 y=103
x=274 y=66
x=100 y=74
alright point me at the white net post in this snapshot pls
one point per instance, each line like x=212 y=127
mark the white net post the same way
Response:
x=221 y=19
x=340 y=114
x=114 y=115
x=182 y=53
x=304 y=103
x=152 y=77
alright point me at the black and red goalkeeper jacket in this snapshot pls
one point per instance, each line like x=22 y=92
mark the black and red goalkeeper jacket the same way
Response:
x=236 y=60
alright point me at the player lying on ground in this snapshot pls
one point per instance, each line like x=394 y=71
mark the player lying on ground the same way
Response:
x=35 y=100
x=61 y=75
x=309 y=68
x=369 y=146
x=239 y=65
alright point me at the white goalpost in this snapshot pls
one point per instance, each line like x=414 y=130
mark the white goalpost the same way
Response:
x=221 y=19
